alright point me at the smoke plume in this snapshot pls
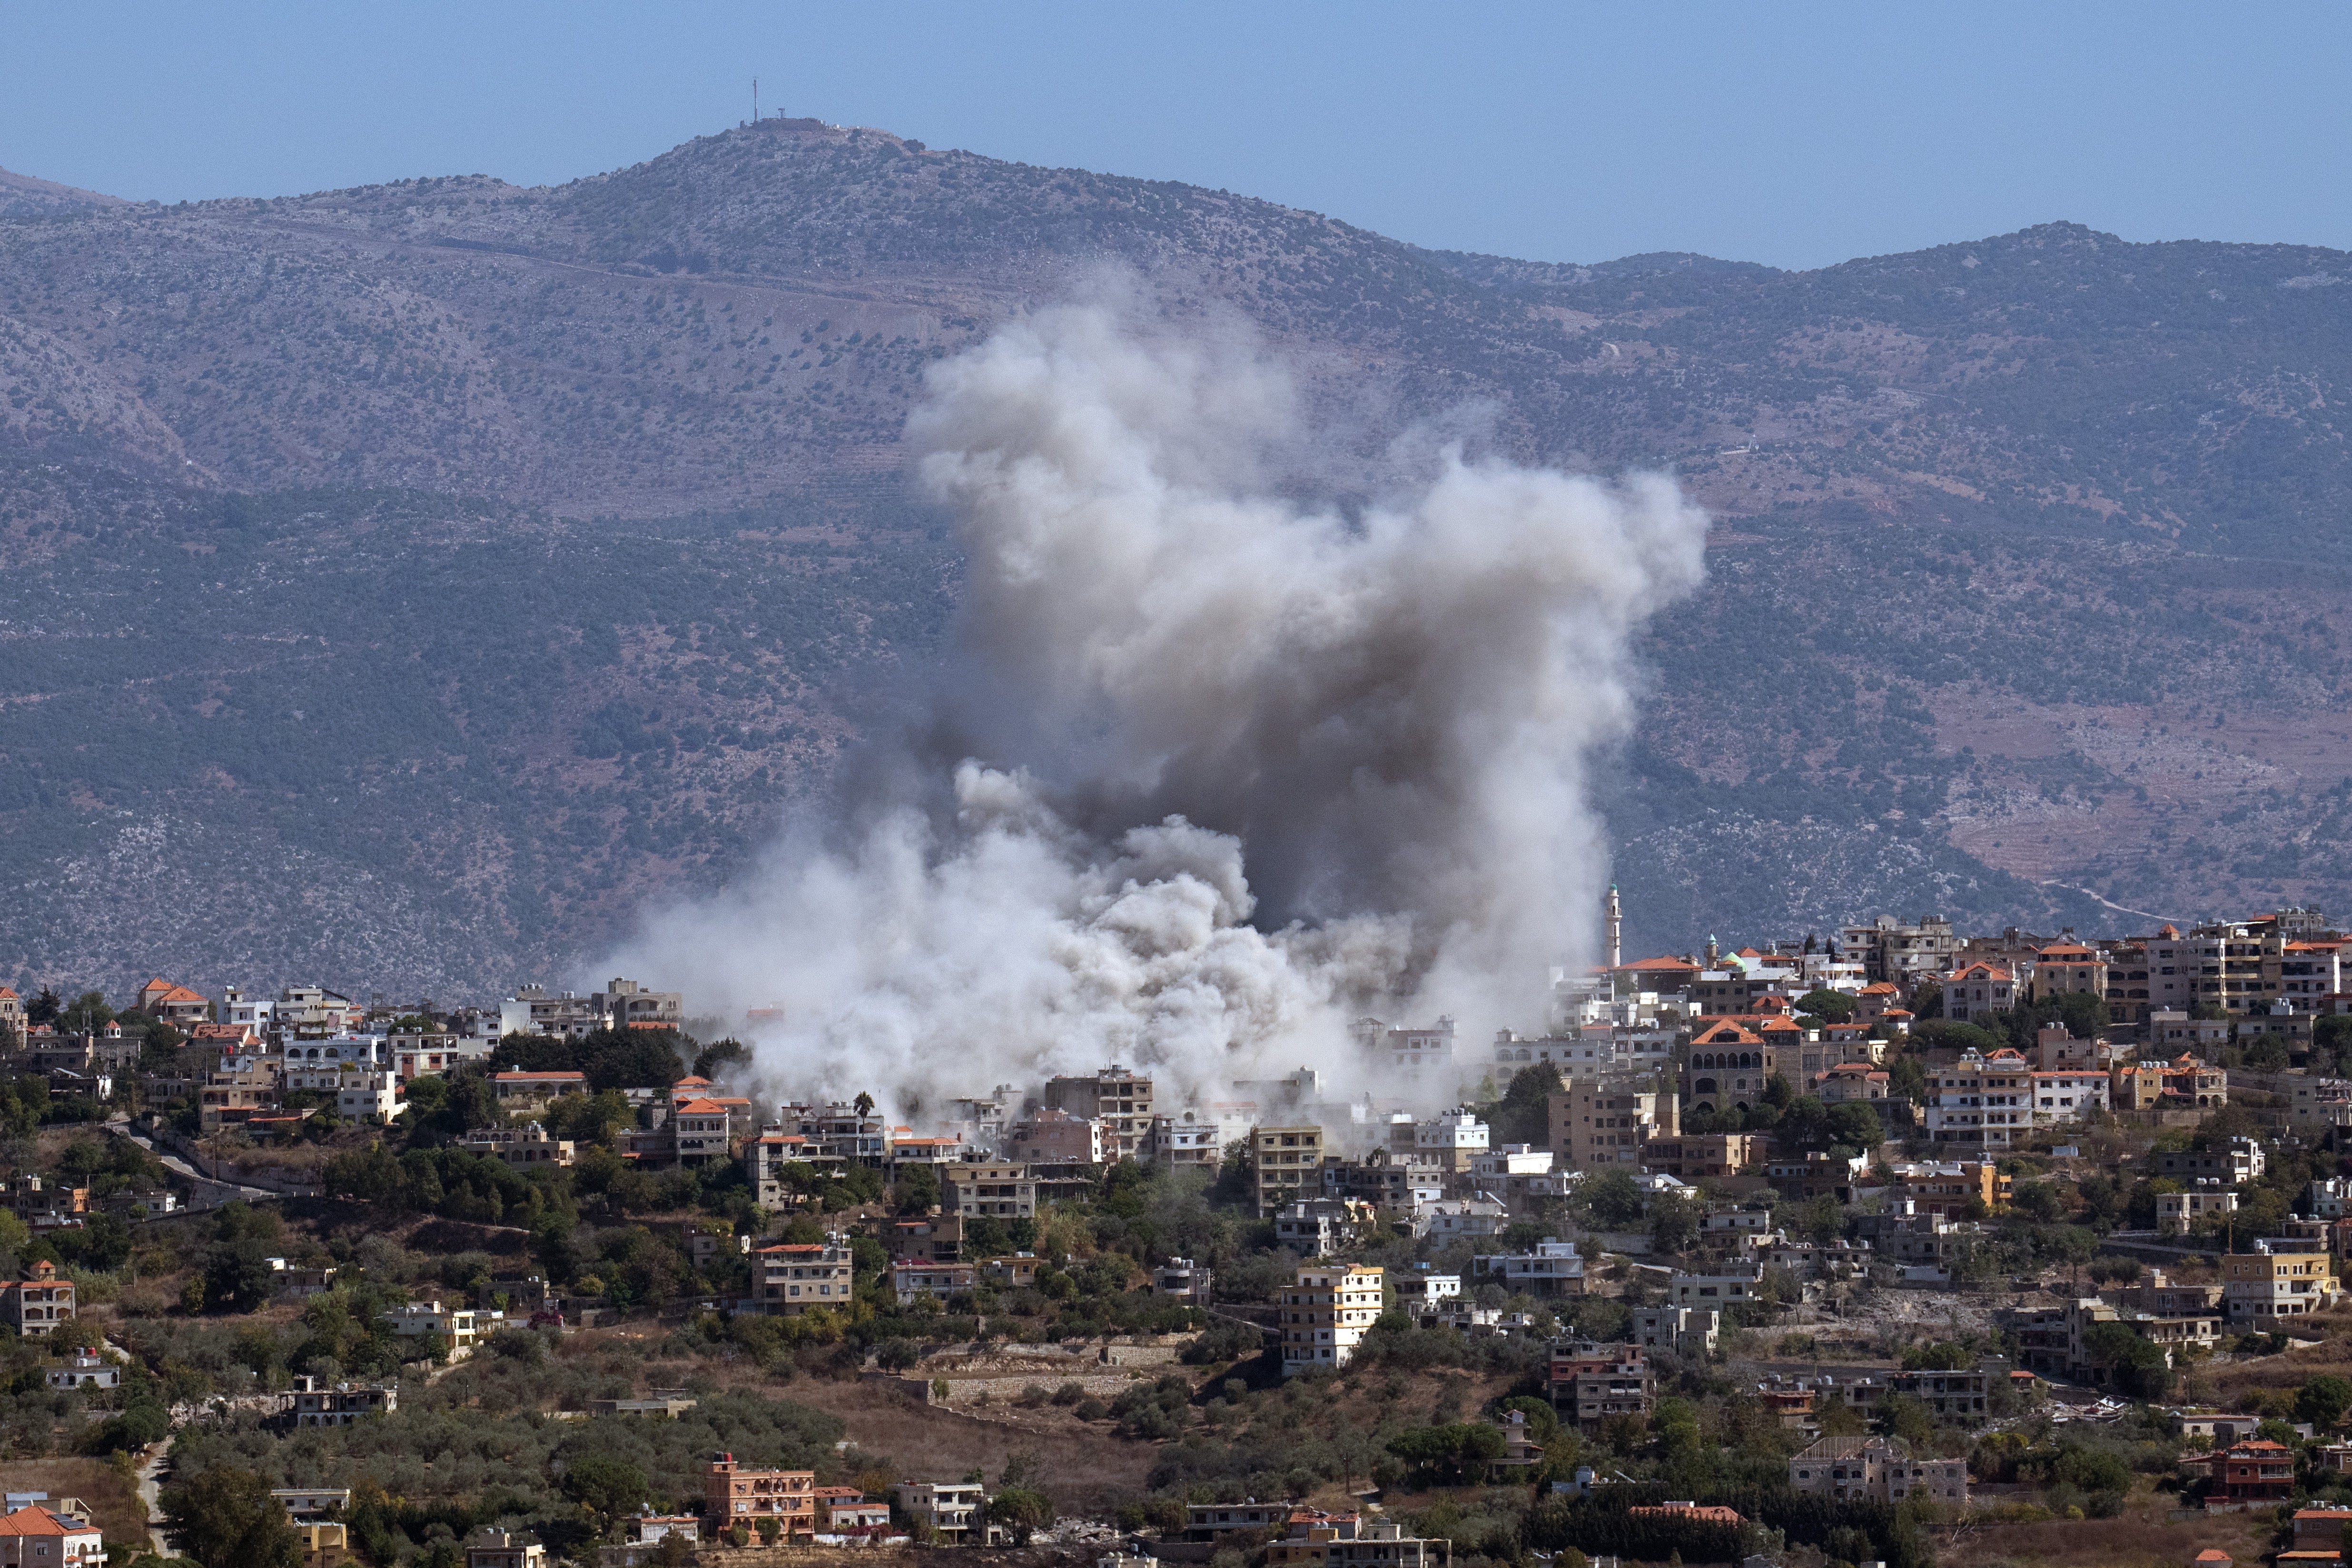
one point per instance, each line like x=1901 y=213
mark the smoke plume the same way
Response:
x=1161 y=662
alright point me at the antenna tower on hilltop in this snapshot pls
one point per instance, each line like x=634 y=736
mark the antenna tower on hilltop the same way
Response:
x=755 y=101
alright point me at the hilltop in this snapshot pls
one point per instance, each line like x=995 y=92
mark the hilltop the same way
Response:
x=456 y=563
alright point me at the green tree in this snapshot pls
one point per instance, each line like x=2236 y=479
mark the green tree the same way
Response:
x=1024 y=1510
x=2135 y=1367
x=227 y=1518
x=1675 y=1223
x=611 y=1486
x=1610 y=1196
x=2323 y=1400
x=1833 y=1007
x=718 y=1055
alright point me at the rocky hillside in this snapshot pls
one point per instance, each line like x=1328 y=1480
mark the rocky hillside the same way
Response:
x=459 y=564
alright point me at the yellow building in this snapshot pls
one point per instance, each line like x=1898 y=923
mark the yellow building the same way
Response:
x=323 y=1545
x=1286 y=1165
x=1325 y=1312
x=2258 y=1289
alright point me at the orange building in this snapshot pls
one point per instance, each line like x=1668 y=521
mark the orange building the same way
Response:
x=733 y=1495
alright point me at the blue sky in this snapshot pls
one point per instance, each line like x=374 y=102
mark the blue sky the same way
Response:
x=1792 y=134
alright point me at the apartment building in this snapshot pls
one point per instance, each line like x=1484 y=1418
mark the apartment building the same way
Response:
x=1323 y=1227
x=1974 y=991
x=37 y=1302
x=2239 y=965
x=2178 y=1213
x=1679 y=1330
x=1116 y=1099
x=1588 y=1384
x=1186 y=1139
x=957 y=1512
x=1877 y=1470
x=1286 y=1165
x=1729 y=1066
x=1980 y=1102
x=460 y=1327
x=1414 y=1051
x=235 y=1091
x=2309 y=971
x=764 y=1159
x=1597 y=1125
x=1550 y=1271
x=732 y=1495
x=1051 y=1137
x=1326 y=1312
x=2256 y=1471
x=914 y=1277
x=316 y=1405
x=701 y=1132
x=794 y=1276
x=2239 y=1161
x=2262 y=1289
x=431 y=1054
x=848 y=1130
x=1735 y=1283
x=535 y=1091
x=528 y=1144
x=1699 y=1156
x=1901 y=954
x=1451 y=1141
x=2069 y=1096
x=2068 y=969
x=990 y=1190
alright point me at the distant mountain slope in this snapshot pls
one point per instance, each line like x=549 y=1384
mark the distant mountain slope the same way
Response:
x=2023 y=584
x=22 y=196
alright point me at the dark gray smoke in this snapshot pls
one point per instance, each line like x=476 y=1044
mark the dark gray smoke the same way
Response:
x=1158 y=667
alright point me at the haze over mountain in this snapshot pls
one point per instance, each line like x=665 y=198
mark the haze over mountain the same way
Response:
x=407 y=581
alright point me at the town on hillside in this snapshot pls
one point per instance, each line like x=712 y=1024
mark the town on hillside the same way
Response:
x=1895 y=1244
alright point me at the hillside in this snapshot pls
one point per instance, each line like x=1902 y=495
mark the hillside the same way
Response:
x=457 y=564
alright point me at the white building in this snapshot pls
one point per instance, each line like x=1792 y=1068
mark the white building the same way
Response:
x=1684 y=1331
x=371 y=1096
x=1326 y=1312
x=1411 y=1051
x=1452 y=1216
x=1551 y=1271
x=2067 y=1096
x=460 y=1327
x=1980 y=1103
x=1450 y=1140
x=2177 y=1212
x=1737 y=1284
x=956 y=1510
x=1511 y=1160
x=84 y=1369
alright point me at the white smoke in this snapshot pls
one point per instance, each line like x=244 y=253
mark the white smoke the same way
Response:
x=1157 y=664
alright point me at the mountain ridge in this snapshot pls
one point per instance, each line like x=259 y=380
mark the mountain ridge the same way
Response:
x=1994 y=515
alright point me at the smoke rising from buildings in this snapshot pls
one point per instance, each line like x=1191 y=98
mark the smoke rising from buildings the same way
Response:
x=1208 y=771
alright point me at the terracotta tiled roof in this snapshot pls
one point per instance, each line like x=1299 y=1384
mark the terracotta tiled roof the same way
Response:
x=35 y=1520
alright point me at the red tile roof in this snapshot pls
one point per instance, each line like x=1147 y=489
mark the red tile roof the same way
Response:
x=35 y=1520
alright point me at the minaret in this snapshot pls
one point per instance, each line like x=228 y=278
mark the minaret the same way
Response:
x=1616 y=923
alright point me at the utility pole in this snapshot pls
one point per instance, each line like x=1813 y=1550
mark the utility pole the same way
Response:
x=755 y=101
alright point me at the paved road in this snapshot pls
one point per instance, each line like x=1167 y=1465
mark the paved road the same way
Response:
x=209 y=1194
x=152 y=1463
